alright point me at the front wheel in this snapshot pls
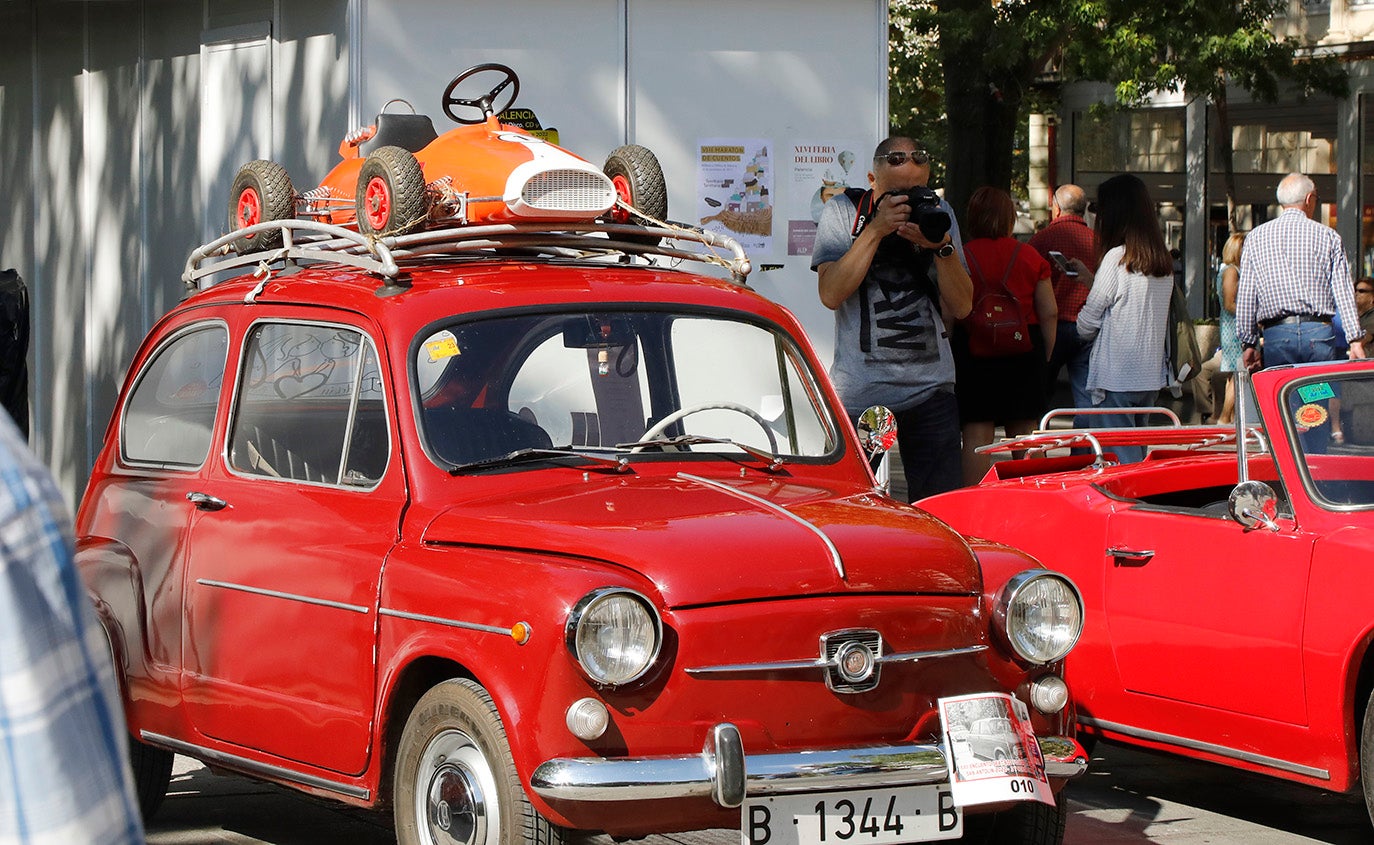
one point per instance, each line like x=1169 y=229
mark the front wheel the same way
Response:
x=152 y=768
x=1029 y=823
x=455 y=781
x=1367 y=757
x=391 y=193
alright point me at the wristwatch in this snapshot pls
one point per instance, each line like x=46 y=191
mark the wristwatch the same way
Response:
x=945 y=251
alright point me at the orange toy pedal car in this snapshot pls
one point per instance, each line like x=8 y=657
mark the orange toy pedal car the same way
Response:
x=398 y=175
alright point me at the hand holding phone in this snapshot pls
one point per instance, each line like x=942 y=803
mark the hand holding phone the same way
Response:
x=1063 y=264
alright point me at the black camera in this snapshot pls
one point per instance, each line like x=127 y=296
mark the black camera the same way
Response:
x=926 y=212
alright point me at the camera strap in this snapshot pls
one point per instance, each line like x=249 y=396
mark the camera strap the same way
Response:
x=863 y=204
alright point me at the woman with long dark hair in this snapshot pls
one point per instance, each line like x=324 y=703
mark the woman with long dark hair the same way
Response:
x=1127 y=311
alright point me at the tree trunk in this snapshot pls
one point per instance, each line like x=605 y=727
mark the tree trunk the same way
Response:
x=1227 y=153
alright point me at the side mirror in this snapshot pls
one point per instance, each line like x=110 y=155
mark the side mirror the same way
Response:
x=877 y=433
x=1254 y=504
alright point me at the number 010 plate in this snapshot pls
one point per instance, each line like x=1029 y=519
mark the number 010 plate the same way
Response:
x=864 y=817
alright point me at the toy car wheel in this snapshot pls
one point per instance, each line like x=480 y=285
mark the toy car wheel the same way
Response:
x=1029 y=823
x=262 y=191
x=152 y=768
x=391 y=193
x=638 y=180
x=455 y=780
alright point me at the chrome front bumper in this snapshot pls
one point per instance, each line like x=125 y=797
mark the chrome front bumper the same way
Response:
x=725 y=773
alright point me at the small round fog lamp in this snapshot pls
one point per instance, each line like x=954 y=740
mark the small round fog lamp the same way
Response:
x=1049 y=694
x=587 y=719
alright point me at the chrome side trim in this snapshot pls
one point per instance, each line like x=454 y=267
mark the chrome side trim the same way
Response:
x=277 y=594
x=1211 y=748
x=715 y=772
x=439 y=620
x=241 y=764
x=818 y=663
x=778 y=509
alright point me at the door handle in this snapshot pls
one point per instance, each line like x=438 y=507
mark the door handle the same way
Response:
x=206 y=502
x=1131 y=557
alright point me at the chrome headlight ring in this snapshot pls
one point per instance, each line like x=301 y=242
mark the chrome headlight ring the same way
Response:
x=1039 y=614
x=614 y=634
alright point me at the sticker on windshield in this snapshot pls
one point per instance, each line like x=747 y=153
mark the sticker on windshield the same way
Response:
x=444 y=345
x=1309 y=416
x=1316 y=392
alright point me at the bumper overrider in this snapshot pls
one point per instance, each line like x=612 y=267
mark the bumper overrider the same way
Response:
x=725 y=773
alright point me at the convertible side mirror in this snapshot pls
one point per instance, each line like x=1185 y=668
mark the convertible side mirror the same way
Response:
x=1254 y=504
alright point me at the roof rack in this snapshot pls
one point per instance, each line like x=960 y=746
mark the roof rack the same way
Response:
x=311 y=240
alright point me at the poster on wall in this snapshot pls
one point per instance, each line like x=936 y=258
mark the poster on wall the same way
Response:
x=819 y=171
x=735 y=190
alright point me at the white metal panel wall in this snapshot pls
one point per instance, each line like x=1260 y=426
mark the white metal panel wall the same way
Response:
x=568 y=56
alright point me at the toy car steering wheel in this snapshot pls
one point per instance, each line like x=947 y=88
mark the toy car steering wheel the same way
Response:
x=484 y=103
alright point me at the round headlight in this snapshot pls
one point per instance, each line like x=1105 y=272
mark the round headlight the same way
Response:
x=614 y=634
x=1040 y=615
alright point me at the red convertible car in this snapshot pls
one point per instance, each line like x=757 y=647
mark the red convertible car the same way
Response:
x=1230 y=610
x=513 y=531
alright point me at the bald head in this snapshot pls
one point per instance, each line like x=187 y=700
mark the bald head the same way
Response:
x=1070 y=199
x=1294 y=190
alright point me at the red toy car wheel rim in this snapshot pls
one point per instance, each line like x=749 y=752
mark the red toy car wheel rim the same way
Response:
x=624 y=194
x=377 y=202
x=250 y=208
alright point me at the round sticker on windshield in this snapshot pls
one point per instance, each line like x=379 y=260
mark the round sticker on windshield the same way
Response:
x=1310 y=416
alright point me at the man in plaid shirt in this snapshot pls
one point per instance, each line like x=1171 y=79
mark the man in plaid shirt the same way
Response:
x=1294 y=277
x=64 y=768
x=1069 y=234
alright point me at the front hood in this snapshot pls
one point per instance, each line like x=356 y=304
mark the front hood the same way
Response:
x=702 y=541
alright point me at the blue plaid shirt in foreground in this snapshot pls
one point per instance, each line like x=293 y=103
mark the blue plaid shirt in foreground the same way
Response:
x=1293 y=265
x=64 y=771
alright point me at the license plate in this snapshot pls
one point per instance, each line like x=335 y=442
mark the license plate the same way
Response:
x=870 y=817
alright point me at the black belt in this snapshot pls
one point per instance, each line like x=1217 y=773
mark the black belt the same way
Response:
x=1295 y=318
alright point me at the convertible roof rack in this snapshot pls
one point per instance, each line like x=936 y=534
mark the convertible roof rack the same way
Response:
x=311 y=240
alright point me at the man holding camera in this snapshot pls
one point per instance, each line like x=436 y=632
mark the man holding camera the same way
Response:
x=890 y=266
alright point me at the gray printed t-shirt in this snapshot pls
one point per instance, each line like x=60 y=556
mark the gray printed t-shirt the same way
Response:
x=889 y=350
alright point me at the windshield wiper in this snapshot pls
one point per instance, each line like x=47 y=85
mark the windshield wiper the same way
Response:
x=522 y=456
x=773 y=462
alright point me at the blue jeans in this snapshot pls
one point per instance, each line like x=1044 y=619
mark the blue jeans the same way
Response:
x=1297 y=343
x=1073 y=352
x=1125 y=399
x=928 y=437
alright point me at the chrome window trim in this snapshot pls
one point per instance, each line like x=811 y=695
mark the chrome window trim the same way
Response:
x=152 y=358
x=278 y=594
x=835 y=558
x=353 y=403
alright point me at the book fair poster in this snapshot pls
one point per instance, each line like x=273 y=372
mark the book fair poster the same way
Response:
x=735 y=190
x=819 y=171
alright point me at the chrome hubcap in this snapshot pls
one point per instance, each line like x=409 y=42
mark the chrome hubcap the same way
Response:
x=456 y=796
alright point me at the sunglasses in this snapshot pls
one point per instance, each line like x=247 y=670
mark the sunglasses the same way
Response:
x=897 y=158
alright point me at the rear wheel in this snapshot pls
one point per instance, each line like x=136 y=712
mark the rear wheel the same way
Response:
x=1367 y=757
x=455 y=781
x=391 y=193
x=638 y=180
x=152 y=768
x=262 y=191
x=1030 y=823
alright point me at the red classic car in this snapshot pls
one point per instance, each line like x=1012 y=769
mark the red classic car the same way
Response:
x=1230 y=615
x=516 y=532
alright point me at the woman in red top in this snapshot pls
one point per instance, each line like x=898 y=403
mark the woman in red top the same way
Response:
x=1008 y=390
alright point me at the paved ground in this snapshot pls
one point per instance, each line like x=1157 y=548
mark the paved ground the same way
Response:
x=1127 y=797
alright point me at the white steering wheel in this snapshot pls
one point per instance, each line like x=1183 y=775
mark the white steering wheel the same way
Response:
x=659 y=427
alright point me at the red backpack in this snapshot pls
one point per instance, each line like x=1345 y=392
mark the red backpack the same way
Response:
x=996 y=326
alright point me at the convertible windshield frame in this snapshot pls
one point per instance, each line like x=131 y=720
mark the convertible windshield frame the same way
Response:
x=1314 y=400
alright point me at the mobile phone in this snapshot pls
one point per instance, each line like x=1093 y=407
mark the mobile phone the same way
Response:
x=1063 y=264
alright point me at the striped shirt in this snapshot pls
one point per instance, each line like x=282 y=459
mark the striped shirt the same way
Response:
x=1128 y=314
x=64 y=769
x=1293 y=266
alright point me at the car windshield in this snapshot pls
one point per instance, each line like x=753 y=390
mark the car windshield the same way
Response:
x=1330 y=419
x=596 y=382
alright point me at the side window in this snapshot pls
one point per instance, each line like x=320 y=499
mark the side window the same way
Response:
x=170 y=415
x=310 y=407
